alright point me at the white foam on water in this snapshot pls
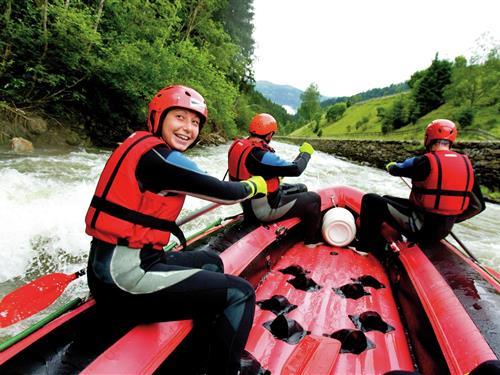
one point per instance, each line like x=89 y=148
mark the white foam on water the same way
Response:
x=44 y=198
x=43 y=202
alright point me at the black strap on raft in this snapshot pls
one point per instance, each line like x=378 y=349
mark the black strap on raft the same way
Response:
x=139 y=218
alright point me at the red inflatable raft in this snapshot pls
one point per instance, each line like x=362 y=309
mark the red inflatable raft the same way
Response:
x=326 y=310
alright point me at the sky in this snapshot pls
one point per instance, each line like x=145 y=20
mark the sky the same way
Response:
x=350 y=46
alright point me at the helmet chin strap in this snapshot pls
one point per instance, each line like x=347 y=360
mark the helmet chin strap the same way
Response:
x=263 y=137
x=160 y=122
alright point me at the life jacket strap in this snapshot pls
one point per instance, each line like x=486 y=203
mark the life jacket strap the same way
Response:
x=138 y=218
x=453 y=193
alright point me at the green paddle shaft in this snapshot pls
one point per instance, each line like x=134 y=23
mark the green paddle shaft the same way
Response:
x=21 y=335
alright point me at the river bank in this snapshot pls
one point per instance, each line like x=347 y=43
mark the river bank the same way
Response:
x=44 y=131
x=48 y=132
x=485 y=156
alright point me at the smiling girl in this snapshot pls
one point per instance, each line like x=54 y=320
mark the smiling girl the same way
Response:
x=139 y=195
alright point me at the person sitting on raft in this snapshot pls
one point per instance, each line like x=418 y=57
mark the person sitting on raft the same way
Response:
x=139 y=195
x=253 y=156
x=444 y=192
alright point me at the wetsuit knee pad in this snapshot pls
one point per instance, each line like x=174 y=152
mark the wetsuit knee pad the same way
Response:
x=241 y=289
x=215 y=263
x=240 y=302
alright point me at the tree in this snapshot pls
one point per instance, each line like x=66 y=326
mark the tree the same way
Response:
x=237 y=18
x=474 y=83
x=101 y=61
x=399 y=117
x=310 y=103
x=428 y=90
x=336 y=111
x=465 y=117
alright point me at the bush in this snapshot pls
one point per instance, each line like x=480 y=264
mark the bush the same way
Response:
x=465 y=116
x=361 y=122
x=336 y=111
x=316 y=127
x=386 y=127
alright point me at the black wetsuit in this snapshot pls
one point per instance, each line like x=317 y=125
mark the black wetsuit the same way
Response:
x=415 y=223
x=148 y=285
x=289 y=200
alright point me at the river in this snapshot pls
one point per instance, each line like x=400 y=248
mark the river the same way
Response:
x=44 y=197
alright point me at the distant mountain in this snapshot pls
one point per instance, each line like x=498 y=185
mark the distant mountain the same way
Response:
x=289 y=96
x=284 y=95
x=370 y=94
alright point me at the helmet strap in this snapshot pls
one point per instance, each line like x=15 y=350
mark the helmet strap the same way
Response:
x=160 y=122
x=263 y=137
x=151 y=119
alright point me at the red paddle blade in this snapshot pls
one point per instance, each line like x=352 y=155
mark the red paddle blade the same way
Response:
x=33 y=297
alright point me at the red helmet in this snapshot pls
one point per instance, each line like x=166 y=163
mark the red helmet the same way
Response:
x=440 y=129
x=175 y=96
x=263 y=124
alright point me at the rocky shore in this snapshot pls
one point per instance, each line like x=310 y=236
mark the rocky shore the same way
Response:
x=485 y=156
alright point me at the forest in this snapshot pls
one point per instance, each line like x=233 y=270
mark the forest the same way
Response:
x=93 y=65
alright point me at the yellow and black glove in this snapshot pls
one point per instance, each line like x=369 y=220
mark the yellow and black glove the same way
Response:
x=307 y=148
x=257 y=186
x=388 y=166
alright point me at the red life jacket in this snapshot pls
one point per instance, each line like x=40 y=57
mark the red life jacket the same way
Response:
x=447 y=189
x=237 y=156
x=120 y=213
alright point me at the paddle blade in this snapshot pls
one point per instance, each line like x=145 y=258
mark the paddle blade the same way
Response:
x=33 y=297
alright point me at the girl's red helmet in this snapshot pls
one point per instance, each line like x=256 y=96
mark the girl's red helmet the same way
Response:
x=175 y=96
x=440 y=129
x=263 y=124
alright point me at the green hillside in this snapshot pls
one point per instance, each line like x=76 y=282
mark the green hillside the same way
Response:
x=361 y=121
x=467 y=93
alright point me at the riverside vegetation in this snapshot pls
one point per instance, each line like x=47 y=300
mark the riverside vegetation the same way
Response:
x=87 y=69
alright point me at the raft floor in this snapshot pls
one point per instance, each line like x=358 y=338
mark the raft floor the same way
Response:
x=324 y=311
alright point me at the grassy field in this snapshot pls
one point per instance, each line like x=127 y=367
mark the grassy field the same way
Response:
x=360 y=121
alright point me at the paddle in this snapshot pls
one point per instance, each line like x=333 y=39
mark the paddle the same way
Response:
x=42 y=292
x=34 y=297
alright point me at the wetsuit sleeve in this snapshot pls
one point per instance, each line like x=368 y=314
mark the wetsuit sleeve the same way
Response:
x=476 y=204
x=162 y=170
x=268 y=164
x=416 y=168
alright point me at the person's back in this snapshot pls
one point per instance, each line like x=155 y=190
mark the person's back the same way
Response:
x=444 y=191
x=254 y=156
